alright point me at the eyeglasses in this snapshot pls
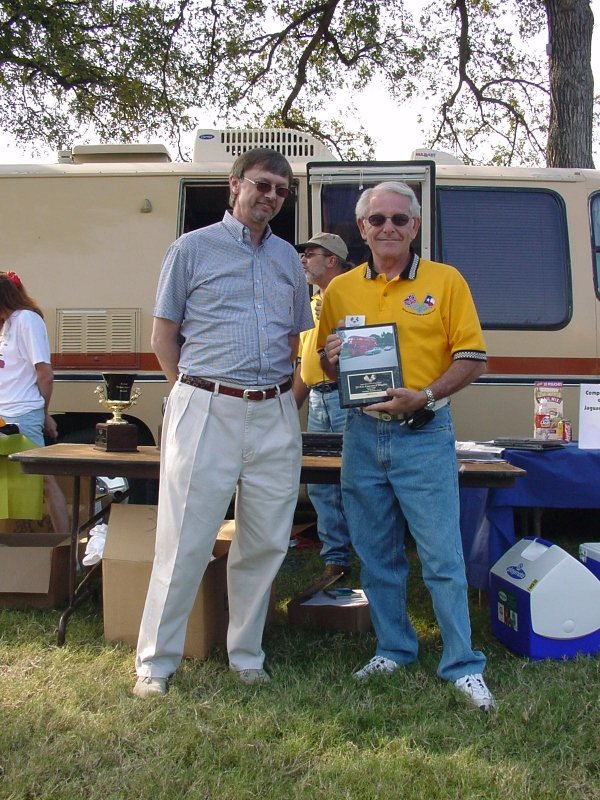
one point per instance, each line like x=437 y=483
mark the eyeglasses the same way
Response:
x=312 y=253
x=264 y=187
x=399 y=220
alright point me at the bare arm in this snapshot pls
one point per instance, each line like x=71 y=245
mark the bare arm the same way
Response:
x=330 y=355
x=45 y=382
x=294 y=342
x=299 y=388
x=164 y=342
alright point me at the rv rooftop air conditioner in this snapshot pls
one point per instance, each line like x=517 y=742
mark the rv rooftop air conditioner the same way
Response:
x=225 y=145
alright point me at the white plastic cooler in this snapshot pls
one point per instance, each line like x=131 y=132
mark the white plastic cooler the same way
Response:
x=589 y=554
x=544 y=603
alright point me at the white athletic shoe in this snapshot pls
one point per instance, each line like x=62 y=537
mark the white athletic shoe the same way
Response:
x=474 y=689
x=378 y=664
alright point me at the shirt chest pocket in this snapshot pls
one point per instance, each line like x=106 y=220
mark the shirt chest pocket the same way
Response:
x=279 y=303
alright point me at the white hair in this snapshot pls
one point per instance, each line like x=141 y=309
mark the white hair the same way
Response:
x=402 y=189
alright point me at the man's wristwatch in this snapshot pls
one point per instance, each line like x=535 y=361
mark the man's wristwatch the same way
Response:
x=430 y=397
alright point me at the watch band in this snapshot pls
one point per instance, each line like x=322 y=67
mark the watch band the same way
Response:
x=430 y=397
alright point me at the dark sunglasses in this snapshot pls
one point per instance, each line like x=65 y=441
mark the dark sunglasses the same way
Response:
x=264 y=188
x=399 y=220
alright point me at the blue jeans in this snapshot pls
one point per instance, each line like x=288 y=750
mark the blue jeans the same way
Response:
x=31 y=425
x=392 y=477
x=326 y=416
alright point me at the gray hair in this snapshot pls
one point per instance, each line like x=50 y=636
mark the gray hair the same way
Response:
x=403 y=189
x=344 y=264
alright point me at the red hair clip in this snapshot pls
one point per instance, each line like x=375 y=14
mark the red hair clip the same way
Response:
x=14 y=278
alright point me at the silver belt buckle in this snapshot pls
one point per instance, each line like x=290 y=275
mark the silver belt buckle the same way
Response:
x=248 y=392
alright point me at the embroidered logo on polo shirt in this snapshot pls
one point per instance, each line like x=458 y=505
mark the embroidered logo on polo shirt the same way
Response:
x=411 y=304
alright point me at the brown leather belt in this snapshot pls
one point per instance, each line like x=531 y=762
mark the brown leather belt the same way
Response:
x=245 y=394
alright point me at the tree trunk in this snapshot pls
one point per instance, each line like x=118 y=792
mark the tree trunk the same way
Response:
x=570 y=26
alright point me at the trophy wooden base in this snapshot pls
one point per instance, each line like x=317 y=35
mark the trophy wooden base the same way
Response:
x=116 y=438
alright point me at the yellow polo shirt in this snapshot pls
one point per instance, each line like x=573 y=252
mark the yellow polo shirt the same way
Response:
x=310 y=363
x=431 y=305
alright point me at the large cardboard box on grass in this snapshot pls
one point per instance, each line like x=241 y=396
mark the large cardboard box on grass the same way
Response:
x=346 y=612
x=34 y=570
x=126 y=566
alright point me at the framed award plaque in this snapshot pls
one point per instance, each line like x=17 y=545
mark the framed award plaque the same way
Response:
x=369 y=364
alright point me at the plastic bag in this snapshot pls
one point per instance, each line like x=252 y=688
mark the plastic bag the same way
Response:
x=95 y=545
x=548 y=403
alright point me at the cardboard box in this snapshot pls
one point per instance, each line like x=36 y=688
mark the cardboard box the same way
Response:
x=42 y=525
x=330 y=614
x=34 y=570
x=126 y=568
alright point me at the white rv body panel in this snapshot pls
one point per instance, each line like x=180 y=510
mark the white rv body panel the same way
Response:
x=88 y=240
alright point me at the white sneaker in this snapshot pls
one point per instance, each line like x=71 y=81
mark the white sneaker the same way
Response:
x=378 y=664
x=474 y=689
x=250 y=676
x=150 y=687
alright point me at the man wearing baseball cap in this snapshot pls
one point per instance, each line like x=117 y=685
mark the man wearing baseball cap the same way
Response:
x=323 y=258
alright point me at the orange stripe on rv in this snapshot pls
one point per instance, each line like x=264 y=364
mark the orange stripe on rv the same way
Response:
x=497 y=365
x=104 y=361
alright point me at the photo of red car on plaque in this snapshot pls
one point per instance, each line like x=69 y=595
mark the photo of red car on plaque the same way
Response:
x=369 y=364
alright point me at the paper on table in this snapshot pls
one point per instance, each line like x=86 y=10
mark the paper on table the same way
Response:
x=357 y=598
x=478 y=451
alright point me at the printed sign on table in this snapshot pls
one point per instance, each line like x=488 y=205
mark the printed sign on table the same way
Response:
x=589 y=416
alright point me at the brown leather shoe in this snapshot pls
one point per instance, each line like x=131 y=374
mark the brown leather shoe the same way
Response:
x=331 y=574
x=335 y=569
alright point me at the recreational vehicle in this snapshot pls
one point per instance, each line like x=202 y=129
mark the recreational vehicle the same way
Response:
x=88 y=233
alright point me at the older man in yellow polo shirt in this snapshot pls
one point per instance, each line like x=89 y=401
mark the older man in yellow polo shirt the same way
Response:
x=399 y=473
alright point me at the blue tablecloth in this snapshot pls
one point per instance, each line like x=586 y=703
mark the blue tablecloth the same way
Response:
x=565 y=477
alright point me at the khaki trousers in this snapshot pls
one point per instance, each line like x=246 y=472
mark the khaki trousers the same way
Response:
x=212 y=446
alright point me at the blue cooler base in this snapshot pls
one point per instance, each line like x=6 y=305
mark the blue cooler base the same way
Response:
x=511 y=624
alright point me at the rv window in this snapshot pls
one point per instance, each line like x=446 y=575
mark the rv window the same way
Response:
x=595 y=216
x=512 y=247
x=205 y=203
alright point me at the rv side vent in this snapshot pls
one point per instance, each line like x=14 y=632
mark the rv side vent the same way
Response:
x=97 y=335
x=117 y=153
x=225 y=145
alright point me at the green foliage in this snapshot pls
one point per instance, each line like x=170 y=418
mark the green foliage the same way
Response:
x=68 y=64
x=125 y=69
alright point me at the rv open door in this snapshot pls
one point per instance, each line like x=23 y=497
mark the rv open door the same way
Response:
x=334 y=188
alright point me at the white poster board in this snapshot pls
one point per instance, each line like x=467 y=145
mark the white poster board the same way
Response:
x=589 y=416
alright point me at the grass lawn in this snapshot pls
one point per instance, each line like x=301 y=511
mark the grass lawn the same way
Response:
x=69 y=727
